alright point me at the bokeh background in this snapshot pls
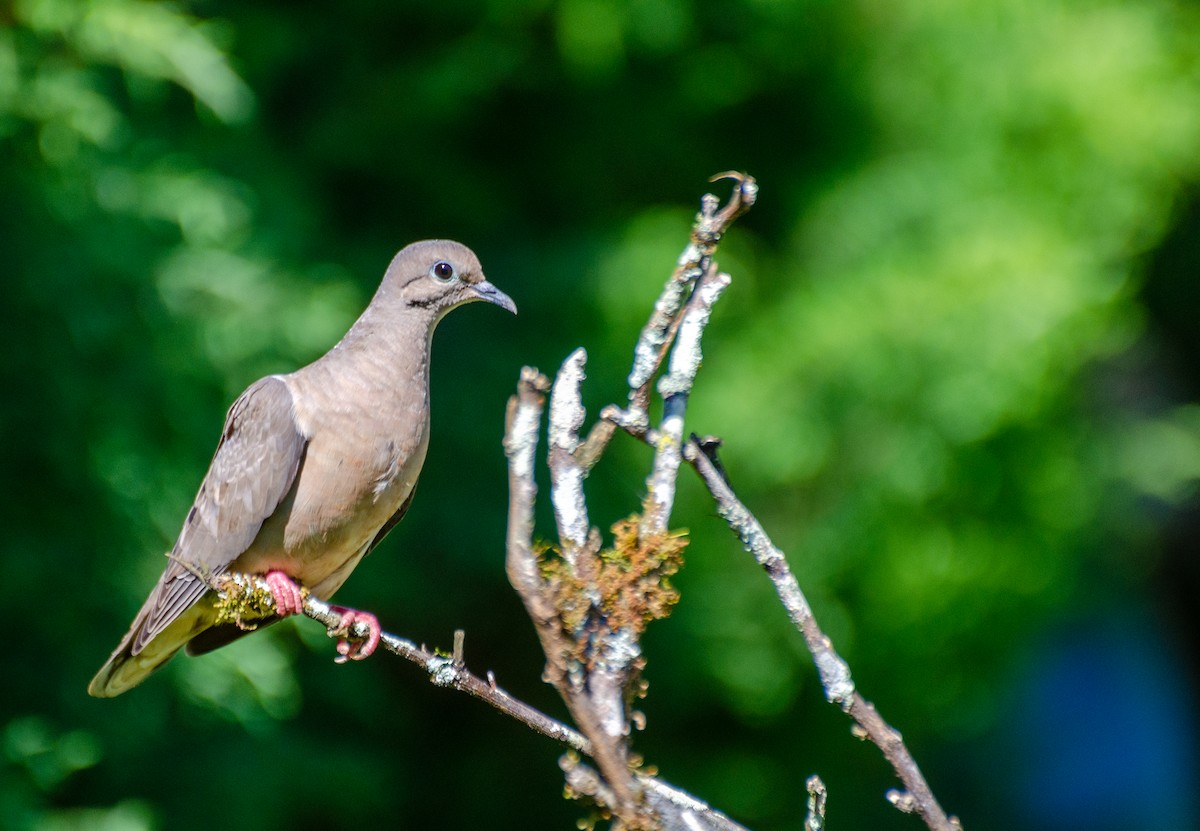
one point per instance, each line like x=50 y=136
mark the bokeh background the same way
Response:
x=956 y=374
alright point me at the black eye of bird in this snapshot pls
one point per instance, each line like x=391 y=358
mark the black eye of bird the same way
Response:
x=442 y=270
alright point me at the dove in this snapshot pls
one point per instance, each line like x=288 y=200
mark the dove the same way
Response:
x=312 y=470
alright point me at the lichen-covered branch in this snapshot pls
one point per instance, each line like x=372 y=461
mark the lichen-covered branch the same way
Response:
x=566 y=473
x=240 y=592
x=586 y=670
x=697 y=284
x=834 y=672
x=523 y=421
x=659 y=331
x=814 y=819
x=673 y=810
x=599 y=605
x=249 y=595
x=589 y=608
x=542 y=598
x=675 y=387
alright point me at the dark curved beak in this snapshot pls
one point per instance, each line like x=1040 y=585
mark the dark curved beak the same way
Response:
x=486 y=291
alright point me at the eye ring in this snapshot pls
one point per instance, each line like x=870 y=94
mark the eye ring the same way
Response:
x=442 y=271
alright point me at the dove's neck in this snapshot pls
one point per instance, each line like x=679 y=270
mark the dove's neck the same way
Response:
x=383 y=354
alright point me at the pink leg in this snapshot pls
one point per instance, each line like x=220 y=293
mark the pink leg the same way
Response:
x=286 y=592
x=351 y=648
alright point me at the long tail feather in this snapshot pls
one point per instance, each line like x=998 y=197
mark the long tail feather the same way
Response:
x=124 y=670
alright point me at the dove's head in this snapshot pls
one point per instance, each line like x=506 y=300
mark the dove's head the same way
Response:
x=437 y=276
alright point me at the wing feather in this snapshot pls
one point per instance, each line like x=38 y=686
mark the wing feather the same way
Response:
x=254 y=468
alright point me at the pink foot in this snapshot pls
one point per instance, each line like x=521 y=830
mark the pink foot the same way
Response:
x=286 y=592
x=351 y=648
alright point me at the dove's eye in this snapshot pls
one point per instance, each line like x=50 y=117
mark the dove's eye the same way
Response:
x=443 y=271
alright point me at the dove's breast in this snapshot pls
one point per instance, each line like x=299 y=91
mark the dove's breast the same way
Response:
x=360 y=464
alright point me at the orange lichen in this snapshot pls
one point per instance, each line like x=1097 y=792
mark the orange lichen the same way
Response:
x=631 y=583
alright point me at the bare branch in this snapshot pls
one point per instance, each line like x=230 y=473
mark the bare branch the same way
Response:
x=241 y=590
x=594 y=693
x=659 y=331
x=235 y=590
x=593 y=447
x=596 y=679
x=687 y=814
x=595 y=690
x=566 y=473
x=675 y=387
x=679 y=810
x=539 y=597
x=522 y=424
x=673 y=810
x=814 y=820
x=635 y=424
x=834 y=672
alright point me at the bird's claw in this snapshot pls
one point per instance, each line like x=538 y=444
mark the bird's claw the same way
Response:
x=351 y=647
x=288 y=596
x=289 y=600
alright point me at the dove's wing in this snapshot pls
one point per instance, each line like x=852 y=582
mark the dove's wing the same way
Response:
x=255 y=465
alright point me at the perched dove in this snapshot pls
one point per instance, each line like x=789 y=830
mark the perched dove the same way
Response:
x=312 y=469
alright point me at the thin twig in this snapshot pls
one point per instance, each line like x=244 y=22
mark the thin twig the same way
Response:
x=814 y=819
x=450 y=672
x=592 y=448
x=659 y=331
x=834 y=672
x=675 y=387
x=443 y=670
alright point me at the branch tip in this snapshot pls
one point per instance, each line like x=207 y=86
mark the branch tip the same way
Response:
x=903 y=801
x=459 y=639
x=814 y=820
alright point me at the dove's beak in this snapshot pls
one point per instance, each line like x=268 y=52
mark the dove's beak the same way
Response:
x=486 y=291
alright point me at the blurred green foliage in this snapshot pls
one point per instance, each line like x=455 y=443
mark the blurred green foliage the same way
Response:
x=921 y=371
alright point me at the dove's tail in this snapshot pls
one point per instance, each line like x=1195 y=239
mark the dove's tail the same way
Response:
x=124 y=670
